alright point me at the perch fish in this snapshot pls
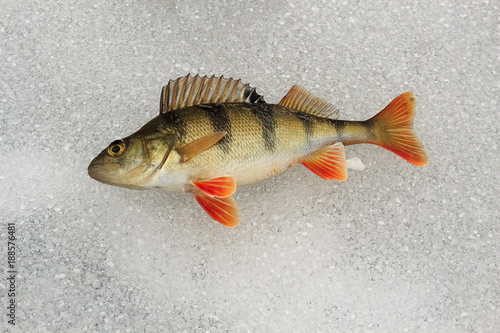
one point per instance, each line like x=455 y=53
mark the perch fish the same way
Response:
x=214 y=134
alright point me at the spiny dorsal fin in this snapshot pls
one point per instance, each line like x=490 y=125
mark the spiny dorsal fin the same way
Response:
x=300 y=99
x=194 y=90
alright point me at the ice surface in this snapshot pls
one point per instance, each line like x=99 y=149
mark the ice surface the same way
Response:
x=355 y=163
x=395 y=248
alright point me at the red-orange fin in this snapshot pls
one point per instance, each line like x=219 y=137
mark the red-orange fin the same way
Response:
x=219 y=187
x=222 y=210
x=329 y=163
x=394 y=130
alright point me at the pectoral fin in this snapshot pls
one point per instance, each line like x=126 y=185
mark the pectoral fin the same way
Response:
x=199 y=145
x=219 y=187
x=329 y=163
x=222 y=210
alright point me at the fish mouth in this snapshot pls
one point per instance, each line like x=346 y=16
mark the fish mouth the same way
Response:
x=102 y=171
x=106 y=173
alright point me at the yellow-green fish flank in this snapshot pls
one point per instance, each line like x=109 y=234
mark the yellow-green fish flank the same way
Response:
x=213 y=134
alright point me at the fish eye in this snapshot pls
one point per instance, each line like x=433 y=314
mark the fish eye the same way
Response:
x=116 y=148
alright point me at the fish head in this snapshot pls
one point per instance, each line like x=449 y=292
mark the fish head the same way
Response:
x=132 y=162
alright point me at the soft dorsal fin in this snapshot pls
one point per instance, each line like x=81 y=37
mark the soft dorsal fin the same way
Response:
x=199 y=145
x=194 y=90
x=302 y=100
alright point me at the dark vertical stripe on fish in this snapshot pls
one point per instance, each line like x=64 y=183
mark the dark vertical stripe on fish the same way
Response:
x=265 y=117
x=340 y=128
x=220 y=120
x=307 y=123
x=175 y=120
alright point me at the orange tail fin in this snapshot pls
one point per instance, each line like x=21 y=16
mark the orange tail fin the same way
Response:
x=394 y=130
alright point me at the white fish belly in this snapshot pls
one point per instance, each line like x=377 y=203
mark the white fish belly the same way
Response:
x=267 y=167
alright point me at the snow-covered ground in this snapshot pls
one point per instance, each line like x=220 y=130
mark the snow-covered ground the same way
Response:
x=394 y=248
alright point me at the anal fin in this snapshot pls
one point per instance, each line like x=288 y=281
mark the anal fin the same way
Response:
x=222 y=210
x=328 y=163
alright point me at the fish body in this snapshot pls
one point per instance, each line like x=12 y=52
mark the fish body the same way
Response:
x=261 y=141
x=214 y=134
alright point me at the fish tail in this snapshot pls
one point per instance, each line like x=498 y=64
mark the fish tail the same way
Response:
x=393 y=129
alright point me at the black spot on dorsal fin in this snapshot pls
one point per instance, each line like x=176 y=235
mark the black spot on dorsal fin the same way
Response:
x=195 y=90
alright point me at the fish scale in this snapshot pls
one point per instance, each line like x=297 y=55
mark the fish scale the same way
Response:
x=253 y=146
x=214 y=134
